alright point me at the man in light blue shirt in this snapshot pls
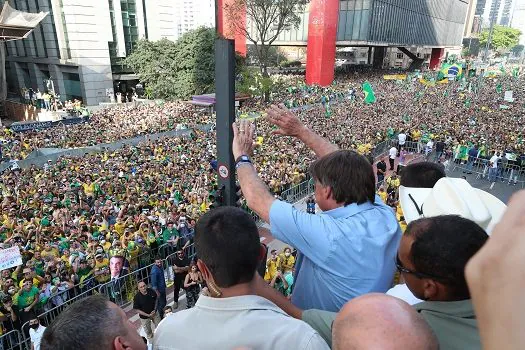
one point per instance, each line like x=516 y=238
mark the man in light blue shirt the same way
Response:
x=350 y=248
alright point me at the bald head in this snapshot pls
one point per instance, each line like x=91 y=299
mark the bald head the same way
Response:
x=379 y=321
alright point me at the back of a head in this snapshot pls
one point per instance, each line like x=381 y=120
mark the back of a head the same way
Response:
x=87 y=324
x=227 y=242
x=379 y=321
x=422 y=174
x=442 y=247
x=349 y=175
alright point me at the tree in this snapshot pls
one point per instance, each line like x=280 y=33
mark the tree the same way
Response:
x=269 y=18
x=176 y=69
x=503 y=38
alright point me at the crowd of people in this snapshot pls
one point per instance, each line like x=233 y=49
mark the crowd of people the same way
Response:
x=77 y=218
x=344 y=295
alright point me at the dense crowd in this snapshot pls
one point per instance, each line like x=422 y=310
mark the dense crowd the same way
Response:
x=70 y=217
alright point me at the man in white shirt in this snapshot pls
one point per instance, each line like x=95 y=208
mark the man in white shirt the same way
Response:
x=392 y=156
x=36 y=331
x=234 y=316
x=428 y=147
x=401 y=138
x=493 y=167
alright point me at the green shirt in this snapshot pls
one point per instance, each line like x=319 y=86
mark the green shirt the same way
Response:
x=26 y=298
x=453 y=322
x=167 y=234
x=321 y=321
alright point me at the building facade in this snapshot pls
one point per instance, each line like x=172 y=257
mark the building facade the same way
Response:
x=498 y=11
x=79 y=46
x=191 y=14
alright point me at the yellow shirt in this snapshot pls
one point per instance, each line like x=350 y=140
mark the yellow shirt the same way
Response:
x=383 y=195
x=272 y=266
x=104 y=264
x=89 y=190
x=120 y=227
x=287 y=263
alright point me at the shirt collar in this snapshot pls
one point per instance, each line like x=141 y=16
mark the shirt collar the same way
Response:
x=243 y=302
x=461 y=308
x=350 y=210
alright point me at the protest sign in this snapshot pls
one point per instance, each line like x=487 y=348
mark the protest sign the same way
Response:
x=509 y=96
x=10 y=258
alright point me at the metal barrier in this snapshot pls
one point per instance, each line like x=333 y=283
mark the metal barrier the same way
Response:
x=120 y=291
x=296 y=193
x=12 y=340
x=506 y=171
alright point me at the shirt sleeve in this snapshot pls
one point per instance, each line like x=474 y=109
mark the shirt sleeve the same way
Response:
x=321 y=321
x=154 y=282
x=308 y=233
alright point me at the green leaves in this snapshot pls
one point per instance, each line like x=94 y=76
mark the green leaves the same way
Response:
x=504 y=38
x=176 y=69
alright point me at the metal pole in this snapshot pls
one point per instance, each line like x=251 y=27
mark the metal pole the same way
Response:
x=225 y=116
x=489 y=39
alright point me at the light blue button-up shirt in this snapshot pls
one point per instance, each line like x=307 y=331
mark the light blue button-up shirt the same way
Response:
x=345 y=252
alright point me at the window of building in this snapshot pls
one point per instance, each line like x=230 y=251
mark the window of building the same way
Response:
x=399 y=55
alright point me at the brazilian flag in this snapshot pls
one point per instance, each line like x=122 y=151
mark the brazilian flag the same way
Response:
x=499 y=88
x=448 y=69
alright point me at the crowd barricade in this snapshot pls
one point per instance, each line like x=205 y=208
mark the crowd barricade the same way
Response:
x=120 y=291
x=12 y=340
x=298 y=192
x=507 y=171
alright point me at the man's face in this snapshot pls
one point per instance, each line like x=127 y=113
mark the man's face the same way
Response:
x=142 y=287
x=131 y=337
x=413 y=283
x=115 y=266
x=28 y=285
x=158 y=263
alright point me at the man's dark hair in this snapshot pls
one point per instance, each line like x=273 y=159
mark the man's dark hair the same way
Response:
x=442 y=247
x=227 y=241
x=87 y=324
x=348 y=174
x=422 y=174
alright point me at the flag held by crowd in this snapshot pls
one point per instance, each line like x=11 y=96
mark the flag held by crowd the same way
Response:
x=370 y=97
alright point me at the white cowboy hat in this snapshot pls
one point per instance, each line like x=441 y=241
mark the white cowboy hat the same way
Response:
x=452 y=196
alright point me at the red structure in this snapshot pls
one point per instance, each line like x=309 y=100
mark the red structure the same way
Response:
x=435 y=58
x=322 y=35
x=227 y=29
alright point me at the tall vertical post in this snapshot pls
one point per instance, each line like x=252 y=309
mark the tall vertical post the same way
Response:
x=225 y=109
x=322 y=35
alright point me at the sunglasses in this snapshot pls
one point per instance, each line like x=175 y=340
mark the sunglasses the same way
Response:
x=402 y=269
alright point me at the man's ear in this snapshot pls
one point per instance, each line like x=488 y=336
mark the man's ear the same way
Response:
x=263 y=250
x=203 y=269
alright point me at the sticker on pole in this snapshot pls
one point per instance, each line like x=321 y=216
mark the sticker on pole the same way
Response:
x=223 y=171
x=10 y=258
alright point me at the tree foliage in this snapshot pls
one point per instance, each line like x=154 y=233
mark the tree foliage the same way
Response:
x=176 y=69
x=268 y=18
x=503 y=38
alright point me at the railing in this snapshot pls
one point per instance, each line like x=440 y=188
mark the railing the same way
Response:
x=121 y=292
x=12 y=340
x=298 y=192
x=506 y=171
